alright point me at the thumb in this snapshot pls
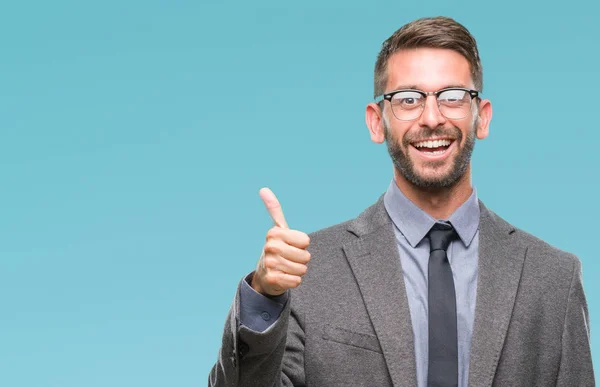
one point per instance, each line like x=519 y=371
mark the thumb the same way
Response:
x=273 y=206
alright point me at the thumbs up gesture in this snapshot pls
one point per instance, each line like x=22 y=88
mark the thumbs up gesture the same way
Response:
x=284 y=257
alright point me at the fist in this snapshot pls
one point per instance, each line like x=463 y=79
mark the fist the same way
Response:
x=284 y=258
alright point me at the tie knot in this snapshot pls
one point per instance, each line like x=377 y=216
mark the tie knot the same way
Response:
x=440 y=236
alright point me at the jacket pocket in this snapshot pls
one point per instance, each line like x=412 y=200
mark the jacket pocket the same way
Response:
x=355 y=339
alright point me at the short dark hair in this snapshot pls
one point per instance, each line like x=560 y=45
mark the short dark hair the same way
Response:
x=431 y=32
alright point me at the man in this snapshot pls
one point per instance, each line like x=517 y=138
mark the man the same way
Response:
x=427 y=287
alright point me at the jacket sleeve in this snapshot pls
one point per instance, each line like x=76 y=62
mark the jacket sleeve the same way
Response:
x=272 y=358
x=576 y=361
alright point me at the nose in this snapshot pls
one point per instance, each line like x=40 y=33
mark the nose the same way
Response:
x=431 y=116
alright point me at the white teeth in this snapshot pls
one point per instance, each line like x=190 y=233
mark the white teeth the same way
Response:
x=435 y=152
x=432 y=144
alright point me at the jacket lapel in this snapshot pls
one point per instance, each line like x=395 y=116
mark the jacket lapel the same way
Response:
x=500 y=265
x=375 y=262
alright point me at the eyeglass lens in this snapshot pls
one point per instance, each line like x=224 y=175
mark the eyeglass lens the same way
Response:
x=453 y=104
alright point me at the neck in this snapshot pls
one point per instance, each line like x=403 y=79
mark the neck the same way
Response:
x=440 y=203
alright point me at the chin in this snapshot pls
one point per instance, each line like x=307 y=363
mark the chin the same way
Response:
x=430 y=179
x=433 y=175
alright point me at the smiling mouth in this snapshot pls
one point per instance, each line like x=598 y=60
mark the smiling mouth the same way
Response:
x=433 y=147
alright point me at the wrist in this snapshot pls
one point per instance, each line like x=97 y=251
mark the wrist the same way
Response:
x=259 y=289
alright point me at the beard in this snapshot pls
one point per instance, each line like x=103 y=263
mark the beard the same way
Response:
x=406 y=167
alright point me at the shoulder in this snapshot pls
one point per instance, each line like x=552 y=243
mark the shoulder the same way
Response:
x=539 y=253
x=331 y=239
x=547 y=257
x=367 y=221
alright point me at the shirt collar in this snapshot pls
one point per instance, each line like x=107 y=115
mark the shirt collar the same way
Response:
x=414 y=223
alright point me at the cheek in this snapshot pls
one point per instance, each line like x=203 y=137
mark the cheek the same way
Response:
x=466 y=129
x=387 y=123
x=398 y=131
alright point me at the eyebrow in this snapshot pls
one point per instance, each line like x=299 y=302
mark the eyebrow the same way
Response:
x=414 y=87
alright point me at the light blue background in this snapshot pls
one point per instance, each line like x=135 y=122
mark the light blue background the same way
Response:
x=135 y=136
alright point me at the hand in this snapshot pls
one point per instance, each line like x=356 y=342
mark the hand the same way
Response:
x=284 y=257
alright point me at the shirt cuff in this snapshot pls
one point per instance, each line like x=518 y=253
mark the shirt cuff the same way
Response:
x=258 y=312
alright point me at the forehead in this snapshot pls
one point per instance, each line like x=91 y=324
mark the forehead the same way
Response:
x=428 y=69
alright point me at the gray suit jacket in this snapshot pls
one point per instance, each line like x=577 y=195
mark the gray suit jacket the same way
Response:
x=348 y=323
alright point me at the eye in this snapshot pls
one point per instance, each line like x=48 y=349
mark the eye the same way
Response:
x=407 y=100
x=454 y=98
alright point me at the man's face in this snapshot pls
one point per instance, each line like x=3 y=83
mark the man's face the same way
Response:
x=425 y=167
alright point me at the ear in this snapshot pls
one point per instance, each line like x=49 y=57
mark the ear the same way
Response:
x=485 y=116
x=374 y=120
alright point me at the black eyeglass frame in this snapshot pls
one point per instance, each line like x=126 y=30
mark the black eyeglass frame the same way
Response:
x=388 y=96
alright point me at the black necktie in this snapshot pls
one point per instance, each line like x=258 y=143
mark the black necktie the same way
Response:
x=443 y=346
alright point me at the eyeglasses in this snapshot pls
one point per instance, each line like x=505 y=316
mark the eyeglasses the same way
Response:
x=454 y=103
